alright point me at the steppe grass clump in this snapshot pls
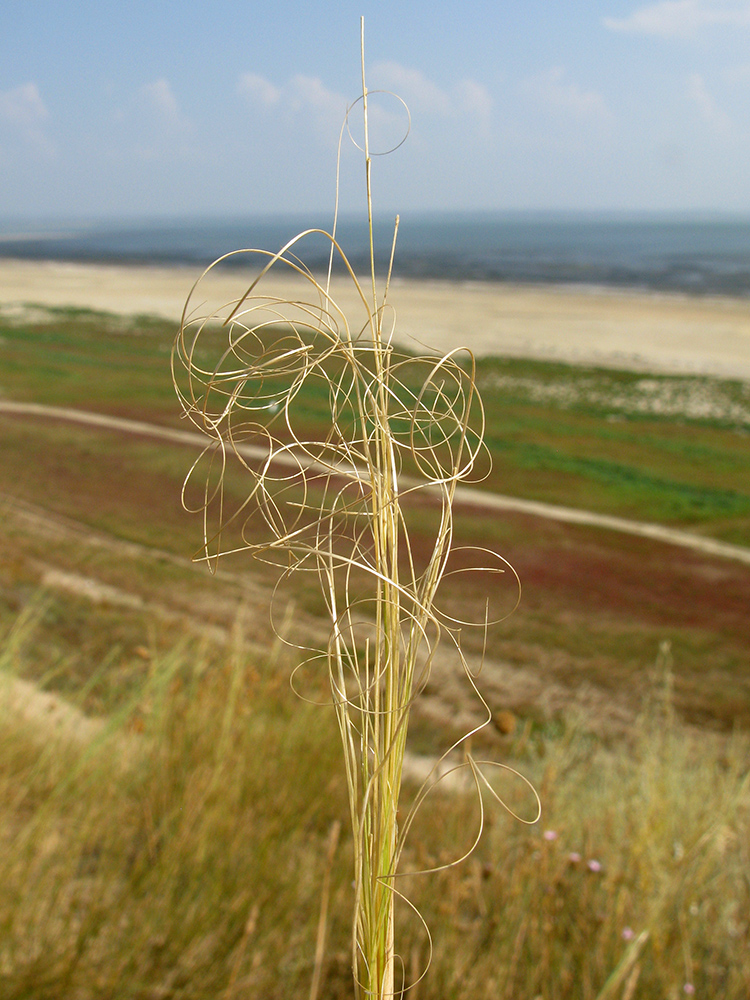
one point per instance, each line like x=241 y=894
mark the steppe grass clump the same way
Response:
x=143 y=859
x=334 y=506
x=635 y=885
x=173 y=849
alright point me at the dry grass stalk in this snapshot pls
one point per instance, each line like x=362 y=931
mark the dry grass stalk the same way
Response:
x=320 y=943
x=340 y=513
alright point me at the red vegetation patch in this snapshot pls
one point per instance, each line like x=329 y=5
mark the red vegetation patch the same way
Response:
x=627 y=576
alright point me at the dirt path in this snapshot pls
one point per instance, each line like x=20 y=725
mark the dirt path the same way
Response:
x=465 y=496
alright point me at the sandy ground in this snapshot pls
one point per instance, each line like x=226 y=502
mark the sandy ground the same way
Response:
x=650 y=332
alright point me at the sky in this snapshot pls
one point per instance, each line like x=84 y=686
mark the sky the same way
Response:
x=216 y=107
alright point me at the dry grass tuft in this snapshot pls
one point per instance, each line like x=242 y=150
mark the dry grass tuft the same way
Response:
x=177 y=850
x=334 y=506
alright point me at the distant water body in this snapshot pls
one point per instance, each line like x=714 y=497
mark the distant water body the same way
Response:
x=690 y=255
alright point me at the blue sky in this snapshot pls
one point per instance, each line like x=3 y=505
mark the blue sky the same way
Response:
x=154 y=107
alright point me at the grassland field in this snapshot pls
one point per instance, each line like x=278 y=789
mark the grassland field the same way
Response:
x=596 y=604
x=101 y=606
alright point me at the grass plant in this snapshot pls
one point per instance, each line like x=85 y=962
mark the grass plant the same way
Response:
x=339 y=513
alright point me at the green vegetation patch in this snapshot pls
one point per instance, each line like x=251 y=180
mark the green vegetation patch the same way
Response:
x=671 y=449
x=79 y=358
x=618 y=393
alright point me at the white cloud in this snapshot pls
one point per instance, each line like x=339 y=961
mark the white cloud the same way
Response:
x=160 y=99
x=326 y=109
x=424 y=96
x=301 y=96
x=23 y=106
x=24 y=110
x=707 y=107
x=309 y=93
x=553 y=90
x=153 y=126
x=412 y=86
x=474 y=98
x=258 y=90
x=682 y=18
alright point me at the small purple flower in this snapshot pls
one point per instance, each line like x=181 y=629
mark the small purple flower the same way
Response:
x=688 y=988
x=550 y=834
x=574 y=857
x=628 y=933
x=594 y=865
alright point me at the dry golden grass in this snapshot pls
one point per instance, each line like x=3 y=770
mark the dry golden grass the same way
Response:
x=333 y=506
x=177 y=849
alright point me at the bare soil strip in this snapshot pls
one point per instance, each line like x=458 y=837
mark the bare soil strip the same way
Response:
x=464 y=496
